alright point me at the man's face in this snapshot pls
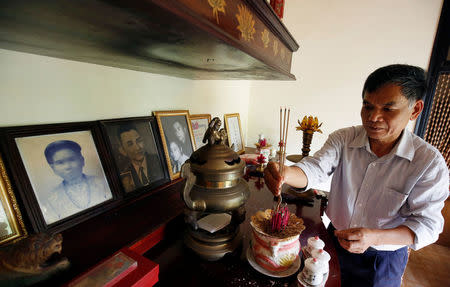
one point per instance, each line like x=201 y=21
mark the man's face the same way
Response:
x=67 y=164
x=179 y=132
x=175 y=151
x=132 y=145
x=386 y=112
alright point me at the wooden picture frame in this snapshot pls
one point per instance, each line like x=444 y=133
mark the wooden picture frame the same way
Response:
x=199 y=124
x=234 y=132
x=62 y=173
x=177 y=138
x=137 y=153
x=12 y=227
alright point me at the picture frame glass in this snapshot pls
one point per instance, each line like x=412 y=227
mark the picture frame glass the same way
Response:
x=199 y=127
x=234 y=133
x=65 y=173
x=135 y=153
x=12 y=227
x=178 y=141
x=6 y=225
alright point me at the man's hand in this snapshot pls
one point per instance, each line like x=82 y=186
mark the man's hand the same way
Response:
x=292 y=175
x=273 y=178
x=357 y=240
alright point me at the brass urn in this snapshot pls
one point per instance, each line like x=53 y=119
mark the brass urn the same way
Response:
x=214 y=185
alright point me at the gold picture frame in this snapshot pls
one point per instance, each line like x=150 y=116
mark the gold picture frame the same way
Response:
x=234 y=132
x=199 y=125
x=9 y=210
x=177 y=138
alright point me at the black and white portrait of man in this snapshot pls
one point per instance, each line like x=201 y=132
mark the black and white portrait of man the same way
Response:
x=135 y=153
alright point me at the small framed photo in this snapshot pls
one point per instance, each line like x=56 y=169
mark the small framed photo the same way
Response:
x=12 y=227
x=61 y=172
x=177 y=137
x=234 y=131
x=199 y=125
x=137 y=152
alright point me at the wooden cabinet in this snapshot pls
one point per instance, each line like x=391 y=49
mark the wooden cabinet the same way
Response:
x=194 y=39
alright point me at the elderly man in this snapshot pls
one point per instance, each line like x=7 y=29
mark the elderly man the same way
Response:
x=388 y=186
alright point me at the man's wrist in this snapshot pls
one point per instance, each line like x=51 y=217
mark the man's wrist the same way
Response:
x=377 y=235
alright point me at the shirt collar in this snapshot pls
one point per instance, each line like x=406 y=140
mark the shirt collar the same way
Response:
x=404 y=148
x=361 y=139
x=144 y=165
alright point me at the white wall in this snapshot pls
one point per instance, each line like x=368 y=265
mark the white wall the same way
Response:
x=36 y=89
x=341 y=42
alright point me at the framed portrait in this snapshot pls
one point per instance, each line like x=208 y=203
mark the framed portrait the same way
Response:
x=137 y=153
x=177 y=138
x=12 y=227
x=199 y=124
x=234 y=131
x=60 y=172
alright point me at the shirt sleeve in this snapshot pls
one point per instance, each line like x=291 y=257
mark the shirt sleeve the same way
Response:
x=425 y=203
x=323 y=163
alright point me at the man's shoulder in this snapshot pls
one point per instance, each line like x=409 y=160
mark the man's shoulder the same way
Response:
x=152 y=159
x=55 y=192
x=96 y=181
x=349 y=134
x=125 y=166
x=351 y=130
x=424 y=151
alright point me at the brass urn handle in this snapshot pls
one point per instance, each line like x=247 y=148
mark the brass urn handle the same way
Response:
x=197 y=205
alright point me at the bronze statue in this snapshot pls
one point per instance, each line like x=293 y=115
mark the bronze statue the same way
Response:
x=213 y=135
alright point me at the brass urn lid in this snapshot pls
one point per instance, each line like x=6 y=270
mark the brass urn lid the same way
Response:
x=216 y=165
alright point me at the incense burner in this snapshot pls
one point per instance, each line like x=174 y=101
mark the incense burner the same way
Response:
x=272 y=252
x=214 y=184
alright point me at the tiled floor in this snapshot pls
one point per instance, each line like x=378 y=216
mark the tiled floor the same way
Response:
x=428 y=267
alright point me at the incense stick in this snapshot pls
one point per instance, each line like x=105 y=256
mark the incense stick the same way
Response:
x=281 y=110
x=284 y=124
x=280 y=216
x=285 y=138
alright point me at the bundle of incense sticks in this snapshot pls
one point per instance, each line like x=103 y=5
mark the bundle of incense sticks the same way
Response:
x=284 y=123
x=280 y=215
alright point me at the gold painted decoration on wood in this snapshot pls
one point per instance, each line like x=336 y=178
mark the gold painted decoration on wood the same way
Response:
x=218 y=6
x=265 y=38
x=246 y=23
x=275 y=47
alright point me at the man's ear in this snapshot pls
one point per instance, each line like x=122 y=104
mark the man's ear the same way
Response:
x=417 y=109
x=122 y=151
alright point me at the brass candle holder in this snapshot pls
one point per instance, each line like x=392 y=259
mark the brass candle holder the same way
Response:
x=309 y=125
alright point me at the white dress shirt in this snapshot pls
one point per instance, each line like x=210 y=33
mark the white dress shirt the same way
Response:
x=407 y=187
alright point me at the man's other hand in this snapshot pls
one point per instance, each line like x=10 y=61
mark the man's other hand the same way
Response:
x=356 y=240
